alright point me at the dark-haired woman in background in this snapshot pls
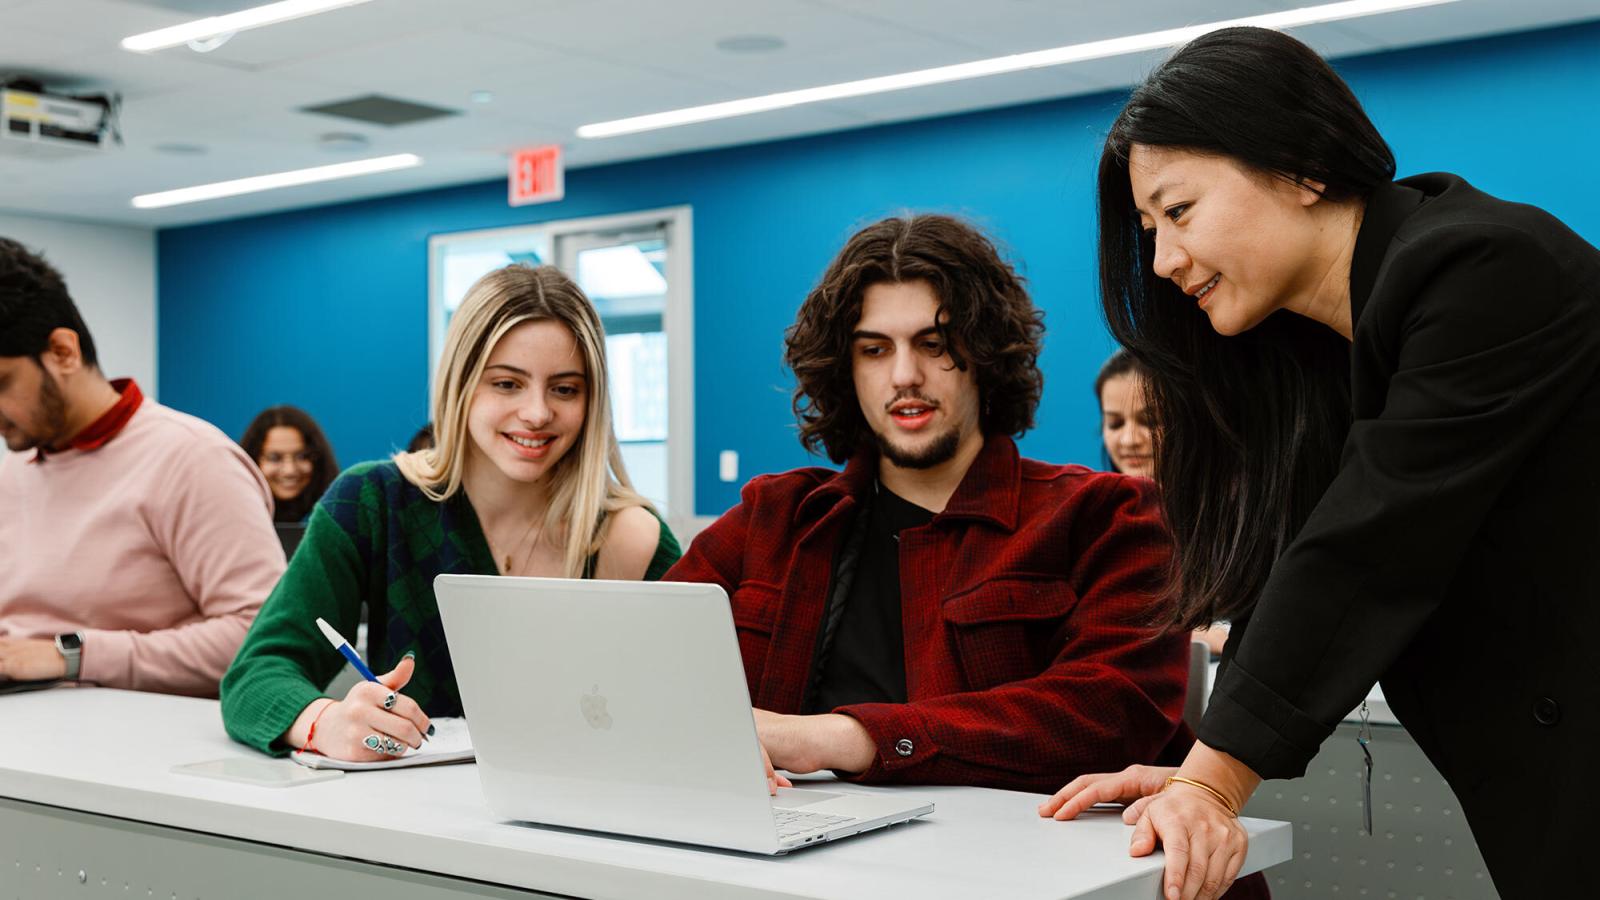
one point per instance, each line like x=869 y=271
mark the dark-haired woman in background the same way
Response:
x=1377 y=399
x=1128 y=430
x=295 y=457
x=1126 y=425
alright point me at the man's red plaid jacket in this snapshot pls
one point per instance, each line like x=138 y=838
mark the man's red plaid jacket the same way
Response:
x=1027 y=662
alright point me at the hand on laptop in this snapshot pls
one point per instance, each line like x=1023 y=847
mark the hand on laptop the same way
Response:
x=774 y=780
x=349 y=728
x=803 y=744
x=30 y=660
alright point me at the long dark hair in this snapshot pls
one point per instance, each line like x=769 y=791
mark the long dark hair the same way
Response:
x=324 y=467
x=993 y=327
x=1252 y=425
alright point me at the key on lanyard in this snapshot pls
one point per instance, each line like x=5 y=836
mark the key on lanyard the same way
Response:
x=1364 y=737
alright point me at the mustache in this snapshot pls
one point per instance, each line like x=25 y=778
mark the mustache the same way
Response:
x=911 y=395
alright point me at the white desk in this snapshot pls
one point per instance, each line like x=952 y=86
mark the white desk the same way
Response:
x=74 y=762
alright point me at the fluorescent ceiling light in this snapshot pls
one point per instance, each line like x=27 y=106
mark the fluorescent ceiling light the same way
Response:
x=1038 y=59
x=279 y=180
x=243 y=20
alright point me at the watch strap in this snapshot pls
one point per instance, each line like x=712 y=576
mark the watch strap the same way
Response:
x=70 y=646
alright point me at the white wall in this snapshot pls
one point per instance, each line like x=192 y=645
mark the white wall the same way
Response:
x=111 y=275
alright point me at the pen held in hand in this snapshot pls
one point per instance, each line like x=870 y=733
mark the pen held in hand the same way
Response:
x=343 y=646
x=349 y=653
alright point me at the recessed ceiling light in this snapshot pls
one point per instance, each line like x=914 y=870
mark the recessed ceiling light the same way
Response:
x=277 y=180
x=481 y=96
x=243 y=20
x=751 y=43
x=1038 y=59
x=343 y=142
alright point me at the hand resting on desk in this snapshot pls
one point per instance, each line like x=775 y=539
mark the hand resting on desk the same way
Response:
x=343 y=726
x=30 y=660
x=1204 y=842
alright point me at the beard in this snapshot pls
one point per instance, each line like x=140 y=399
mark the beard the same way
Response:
x=51 y=415
x=940 y=450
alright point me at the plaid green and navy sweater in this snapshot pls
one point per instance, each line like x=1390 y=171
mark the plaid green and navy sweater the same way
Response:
x=374 y=540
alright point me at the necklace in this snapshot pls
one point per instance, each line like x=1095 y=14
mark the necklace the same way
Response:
x=528 y=551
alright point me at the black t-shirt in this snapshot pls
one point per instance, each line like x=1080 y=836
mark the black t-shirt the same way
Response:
x=867 y=660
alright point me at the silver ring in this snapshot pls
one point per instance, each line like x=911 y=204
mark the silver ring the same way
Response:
x=388 y=702
x=382 y=743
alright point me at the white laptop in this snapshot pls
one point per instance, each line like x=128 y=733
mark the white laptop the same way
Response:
x=621 y=706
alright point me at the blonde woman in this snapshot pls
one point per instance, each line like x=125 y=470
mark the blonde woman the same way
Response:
x=525 y=478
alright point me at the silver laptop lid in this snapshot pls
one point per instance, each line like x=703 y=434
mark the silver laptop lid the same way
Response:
x=614 y=706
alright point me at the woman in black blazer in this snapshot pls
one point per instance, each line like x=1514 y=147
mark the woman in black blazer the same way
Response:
x=1380 y=404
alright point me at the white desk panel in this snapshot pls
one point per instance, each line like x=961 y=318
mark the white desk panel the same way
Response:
x=110 y=753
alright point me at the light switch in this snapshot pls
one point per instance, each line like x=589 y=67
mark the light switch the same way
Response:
x=728 y=465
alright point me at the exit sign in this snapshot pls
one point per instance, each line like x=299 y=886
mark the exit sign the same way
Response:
x=537 y=175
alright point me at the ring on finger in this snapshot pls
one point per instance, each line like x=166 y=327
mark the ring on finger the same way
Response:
x=389 y=701
x=382 y=743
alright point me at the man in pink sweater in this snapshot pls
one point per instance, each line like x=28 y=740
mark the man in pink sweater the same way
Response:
x=136 y=542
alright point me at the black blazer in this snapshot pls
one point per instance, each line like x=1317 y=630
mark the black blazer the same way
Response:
x=1456 y=555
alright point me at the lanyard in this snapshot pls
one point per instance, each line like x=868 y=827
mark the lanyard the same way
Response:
x=1364 y=737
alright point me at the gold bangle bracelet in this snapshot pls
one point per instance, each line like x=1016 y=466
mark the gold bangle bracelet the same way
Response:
x=1232 y=810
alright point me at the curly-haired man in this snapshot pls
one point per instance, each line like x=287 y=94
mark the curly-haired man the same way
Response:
x=942 y=611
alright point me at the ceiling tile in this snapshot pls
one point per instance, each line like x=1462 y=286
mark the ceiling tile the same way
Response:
x=450 y=55
x=1015 y=26
x=958 y=96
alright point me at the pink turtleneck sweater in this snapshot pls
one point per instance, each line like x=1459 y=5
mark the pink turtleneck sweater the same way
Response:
x=157 y=544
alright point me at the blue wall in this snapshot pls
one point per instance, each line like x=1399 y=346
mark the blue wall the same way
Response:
x=327 y=308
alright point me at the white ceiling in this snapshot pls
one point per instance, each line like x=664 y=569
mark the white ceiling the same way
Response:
x=553 y=65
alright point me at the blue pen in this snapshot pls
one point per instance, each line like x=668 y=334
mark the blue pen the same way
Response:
x=343 y=646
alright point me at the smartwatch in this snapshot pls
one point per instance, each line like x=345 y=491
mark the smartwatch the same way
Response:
x=70 y=646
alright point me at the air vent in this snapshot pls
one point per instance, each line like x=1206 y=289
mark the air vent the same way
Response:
x=374 y=109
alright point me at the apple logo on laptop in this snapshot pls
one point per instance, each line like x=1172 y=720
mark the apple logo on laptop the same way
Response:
x=594 y=709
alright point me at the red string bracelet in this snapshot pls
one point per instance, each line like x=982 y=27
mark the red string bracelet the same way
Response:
x=311 y=735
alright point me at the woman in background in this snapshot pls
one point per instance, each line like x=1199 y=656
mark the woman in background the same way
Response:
x=1126 y=426
x=525 y=478
x=1128 y=429
x=295 y=457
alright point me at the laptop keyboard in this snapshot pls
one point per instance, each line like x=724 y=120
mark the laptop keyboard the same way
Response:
x=793 y=822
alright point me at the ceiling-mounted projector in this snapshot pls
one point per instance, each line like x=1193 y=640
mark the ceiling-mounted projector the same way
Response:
x=46 y=126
